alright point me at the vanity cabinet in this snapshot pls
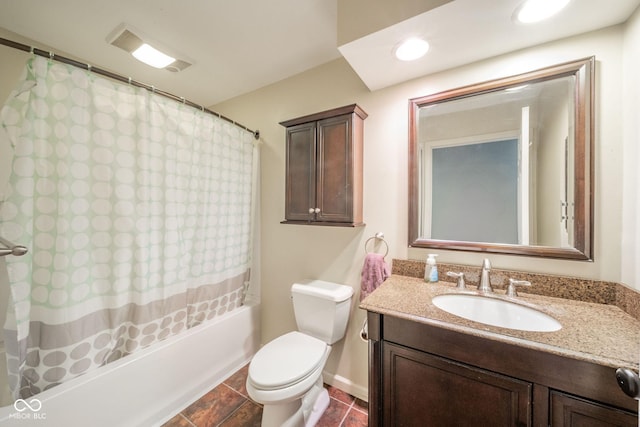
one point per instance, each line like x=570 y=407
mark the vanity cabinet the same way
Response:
x=425 y=375
x=324 y=168
x=567 y=410
x=427 y=390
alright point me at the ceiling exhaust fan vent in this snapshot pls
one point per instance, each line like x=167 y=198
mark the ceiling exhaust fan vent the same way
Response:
x=124 y=38
x=177 y=65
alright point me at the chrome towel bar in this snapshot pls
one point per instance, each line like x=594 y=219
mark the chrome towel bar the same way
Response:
x=11 y=248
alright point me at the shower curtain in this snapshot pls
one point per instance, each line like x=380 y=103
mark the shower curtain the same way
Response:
x=137 y=212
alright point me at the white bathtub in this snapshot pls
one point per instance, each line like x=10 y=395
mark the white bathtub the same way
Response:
x=149 y=387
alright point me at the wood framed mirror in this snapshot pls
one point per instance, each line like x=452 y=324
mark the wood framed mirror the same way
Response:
x=506 y=166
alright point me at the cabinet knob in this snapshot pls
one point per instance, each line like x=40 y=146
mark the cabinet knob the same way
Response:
x=311 y=210
x=629 y=382
x=317 y=210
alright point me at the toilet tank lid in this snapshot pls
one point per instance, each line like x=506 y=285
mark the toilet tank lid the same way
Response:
x=321 y=289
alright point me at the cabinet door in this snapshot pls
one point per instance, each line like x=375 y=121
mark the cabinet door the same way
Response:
x=335 y=170
x=425 y=390
x=301 y=172
x=568 y=410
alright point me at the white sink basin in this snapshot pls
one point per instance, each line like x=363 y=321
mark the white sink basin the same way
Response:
x=496 y=312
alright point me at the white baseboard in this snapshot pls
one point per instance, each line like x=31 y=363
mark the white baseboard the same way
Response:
x=346 y=385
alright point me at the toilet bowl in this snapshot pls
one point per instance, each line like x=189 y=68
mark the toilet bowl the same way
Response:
x=287 y=367
x=286 y=374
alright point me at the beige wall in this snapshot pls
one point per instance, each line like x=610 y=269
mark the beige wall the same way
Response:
x=631 y=159
x=290 y=253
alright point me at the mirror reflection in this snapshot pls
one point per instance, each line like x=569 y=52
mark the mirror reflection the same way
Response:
x=504 y=166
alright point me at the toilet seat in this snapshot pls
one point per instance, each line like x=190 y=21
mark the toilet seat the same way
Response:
x=287 y=360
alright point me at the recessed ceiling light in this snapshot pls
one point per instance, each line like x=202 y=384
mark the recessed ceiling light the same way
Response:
x=412 y=49
x=537 y=10
x=152 y=56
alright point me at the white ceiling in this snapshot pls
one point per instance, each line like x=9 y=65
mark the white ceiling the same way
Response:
x=465 y=31
x=237 y=46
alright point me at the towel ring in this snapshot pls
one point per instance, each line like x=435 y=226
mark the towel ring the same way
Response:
x=378 y=236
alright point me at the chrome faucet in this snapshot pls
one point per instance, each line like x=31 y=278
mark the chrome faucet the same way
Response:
x=484 y=284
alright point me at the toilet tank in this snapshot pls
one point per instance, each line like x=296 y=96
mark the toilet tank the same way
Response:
x=322 y=309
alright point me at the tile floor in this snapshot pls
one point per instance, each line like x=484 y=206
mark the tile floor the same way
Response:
x=228 y=405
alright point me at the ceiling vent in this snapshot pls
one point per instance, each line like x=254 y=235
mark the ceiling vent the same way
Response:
x=130 y=40
x=126 y=40
x=177 y=65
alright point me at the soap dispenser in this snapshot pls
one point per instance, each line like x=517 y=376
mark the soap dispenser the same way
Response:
x=431 y=270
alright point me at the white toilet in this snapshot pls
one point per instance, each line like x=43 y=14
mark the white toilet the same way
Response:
x=286 y=374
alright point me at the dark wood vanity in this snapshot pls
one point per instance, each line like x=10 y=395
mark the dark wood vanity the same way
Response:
x=434 y=371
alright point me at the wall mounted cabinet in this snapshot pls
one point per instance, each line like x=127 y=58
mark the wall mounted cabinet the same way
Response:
x=324 y=168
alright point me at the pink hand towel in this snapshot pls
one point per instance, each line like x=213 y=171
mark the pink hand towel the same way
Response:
x=374 y=272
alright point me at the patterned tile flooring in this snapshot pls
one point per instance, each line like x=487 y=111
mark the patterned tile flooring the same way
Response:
x=228 y=405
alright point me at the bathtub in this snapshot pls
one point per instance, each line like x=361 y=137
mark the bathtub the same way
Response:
x=149 y=387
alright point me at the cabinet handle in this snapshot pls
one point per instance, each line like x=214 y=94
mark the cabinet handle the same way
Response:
x=317 y=210
x=311 y=210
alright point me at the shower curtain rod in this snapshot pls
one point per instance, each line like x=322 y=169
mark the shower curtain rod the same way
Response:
x=119 y=77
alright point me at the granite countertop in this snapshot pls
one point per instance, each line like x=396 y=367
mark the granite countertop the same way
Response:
x=598 y=333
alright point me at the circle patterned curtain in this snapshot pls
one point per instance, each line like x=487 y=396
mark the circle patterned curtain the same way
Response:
x=137 y=213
